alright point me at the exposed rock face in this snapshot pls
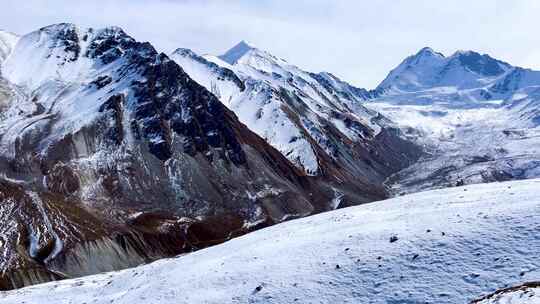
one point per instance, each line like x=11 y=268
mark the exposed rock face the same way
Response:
x=112 y=156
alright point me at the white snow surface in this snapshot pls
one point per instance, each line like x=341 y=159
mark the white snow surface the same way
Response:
x=453 y=245
x=7 y=43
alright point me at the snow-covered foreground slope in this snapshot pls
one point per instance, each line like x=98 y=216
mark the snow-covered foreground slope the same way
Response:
x=444 y=246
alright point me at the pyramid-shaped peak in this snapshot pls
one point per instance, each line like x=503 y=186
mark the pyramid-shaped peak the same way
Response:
x=246 y=44
x=238 y=51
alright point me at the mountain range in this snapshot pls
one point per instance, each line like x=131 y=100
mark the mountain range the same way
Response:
x=113 y=154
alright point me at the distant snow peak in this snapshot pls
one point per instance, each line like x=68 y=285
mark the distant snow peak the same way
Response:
x=428 y=69
x=65 y=52
x=455 y=101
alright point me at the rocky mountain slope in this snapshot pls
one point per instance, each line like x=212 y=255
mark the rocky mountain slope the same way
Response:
x=444 y=246
x=477 y=117
x=112 y=156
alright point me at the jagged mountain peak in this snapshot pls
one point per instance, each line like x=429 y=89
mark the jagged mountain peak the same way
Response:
x=81 y=35
x=246 y=44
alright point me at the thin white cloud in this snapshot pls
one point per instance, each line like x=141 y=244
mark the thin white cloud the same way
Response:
x=359 y=41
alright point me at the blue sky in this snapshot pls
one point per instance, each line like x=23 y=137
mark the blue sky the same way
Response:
x=359 y=41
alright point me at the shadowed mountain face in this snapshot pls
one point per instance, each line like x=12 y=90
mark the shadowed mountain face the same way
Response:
x=112 y=156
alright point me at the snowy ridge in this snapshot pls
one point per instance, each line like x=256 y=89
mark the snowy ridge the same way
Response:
x=444 y=246
x=290 y=108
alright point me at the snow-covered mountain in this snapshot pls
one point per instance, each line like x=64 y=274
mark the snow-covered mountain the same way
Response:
x=112 y=156
x=316 y=120
x=445 y=246
x=478 y=117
